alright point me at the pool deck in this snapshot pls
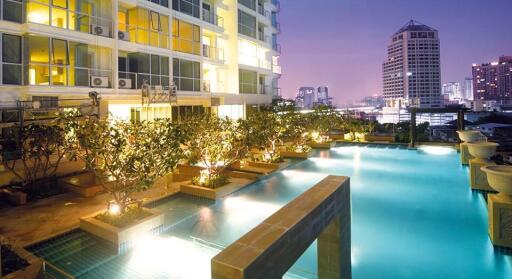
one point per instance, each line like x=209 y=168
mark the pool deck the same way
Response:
x=46 y=218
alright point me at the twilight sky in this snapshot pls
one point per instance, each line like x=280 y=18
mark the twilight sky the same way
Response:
x=342 y=43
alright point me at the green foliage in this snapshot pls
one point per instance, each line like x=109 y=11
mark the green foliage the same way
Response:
x=41 y=148
x=212 y=181
x=265 y=130
x=132 y=154
x=217 y=142
x=404 y=132
x=323 y=119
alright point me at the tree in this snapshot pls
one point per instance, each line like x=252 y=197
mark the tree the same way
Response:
x=321 y=121
x=295 y=131
x=132 y=155
x=40 y=149
x=265 y=131
x=218 y=143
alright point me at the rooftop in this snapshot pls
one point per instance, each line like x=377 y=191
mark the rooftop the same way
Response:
x=413 y=25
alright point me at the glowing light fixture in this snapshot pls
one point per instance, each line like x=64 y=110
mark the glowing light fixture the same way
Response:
x=114 y=208
x=436 y=150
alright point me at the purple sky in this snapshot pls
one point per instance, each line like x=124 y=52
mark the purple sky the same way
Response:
x=342 y=43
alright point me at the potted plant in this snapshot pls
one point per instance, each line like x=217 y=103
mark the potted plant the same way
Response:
x=218 y=143
x=131 y=156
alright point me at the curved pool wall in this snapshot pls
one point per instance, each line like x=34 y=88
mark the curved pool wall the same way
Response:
x=413 y=216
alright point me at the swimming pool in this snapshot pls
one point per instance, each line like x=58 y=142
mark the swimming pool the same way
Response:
x=413 y=216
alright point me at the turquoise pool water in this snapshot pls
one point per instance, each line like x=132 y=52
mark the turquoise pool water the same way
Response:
x=413 y=216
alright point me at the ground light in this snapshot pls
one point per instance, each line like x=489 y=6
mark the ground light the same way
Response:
x=436 y=150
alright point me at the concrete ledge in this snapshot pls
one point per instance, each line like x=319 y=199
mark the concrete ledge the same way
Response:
x=325 y=145
x=270 y=249
x=122 y=238
x=500 y=219
x=214 y=194
x=379 y=138
x=84 y=184
x=296 y=155
x=33 y=271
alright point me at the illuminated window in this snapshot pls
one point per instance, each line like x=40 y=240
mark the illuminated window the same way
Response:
x=186 y=37
x=38 y=13
x=148 y=28
x=248 y=82
x=143 y=67
x=251 y=4
x=11 y=59
x=186 y=74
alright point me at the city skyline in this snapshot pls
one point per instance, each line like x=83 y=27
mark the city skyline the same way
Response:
x=362 y=47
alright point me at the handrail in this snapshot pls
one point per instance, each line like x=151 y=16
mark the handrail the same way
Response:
x=58 y=270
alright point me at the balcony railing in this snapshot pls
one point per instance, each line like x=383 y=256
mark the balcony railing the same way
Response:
x=264 y=64
x=206 y=86
x=277 y=48
x=262 y=11
x=212 y=18
x=276 y=92
x=276 y=69
x=143 y=36
x=130 y=80
x=277 y=26
x=277 y=4
x=213 y=53
x=264 y=38
x=66 y=75
x=265 y=89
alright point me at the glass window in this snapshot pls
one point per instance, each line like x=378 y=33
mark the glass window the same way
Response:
x=38 y=13
x=186 y=37
x=248 y=82
x=11 y=58
x=13 y=10
x=59 y=18
x=59 y=52
x=187 y=75
x=251 y=4
x=190 y=7
x=38 y=50
x=246 y=24
x=60 y=3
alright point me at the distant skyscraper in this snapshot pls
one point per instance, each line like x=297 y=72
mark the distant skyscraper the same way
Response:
x=453 y=91
x=493 y=81
x=468 y=89
x=322 y=96
x=308 y=97
x=412 y=71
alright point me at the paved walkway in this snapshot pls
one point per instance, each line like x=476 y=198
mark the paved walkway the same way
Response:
x=37 y=221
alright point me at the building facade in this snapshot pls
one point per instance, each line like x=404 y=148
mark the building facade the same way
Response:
x=452 y=91
x=323 y=97
x=468 y=89
x=145 y=59
x=309 y=97
x=412 y=73
x=493 y=81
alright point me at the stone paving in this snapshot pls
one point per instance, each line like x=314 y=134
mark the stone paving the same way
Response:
x=43 y=219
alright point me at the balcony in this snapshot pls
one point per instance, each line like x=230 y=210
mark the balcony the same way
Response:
x=213 y=53
x=276 y=69
x=66 y=75
x=265 y=89
x=262 y=11
x=277 y=26
x=277 y=48
x=264 y=38
x=131 y=80
x=277 y=4
x=212 y=18
x=139 y=35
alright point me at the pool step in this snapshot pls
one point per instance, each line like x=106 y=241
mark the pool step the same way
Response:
x=51 y=243
x=68 y=248
x=47 y=251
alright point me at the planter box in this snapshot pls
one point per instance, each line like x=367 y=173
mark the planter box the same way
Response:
x=34 y=270
x=186 y=172
x=379 y=138
x=296 y=155
x=14 y=197
x=214 y=194
x=85 y=184
x=123 y=238
x=325 y=145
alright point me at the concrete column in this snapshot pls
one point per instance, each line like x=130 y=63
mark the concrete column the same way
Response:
x=334 y=257
x=413 y=129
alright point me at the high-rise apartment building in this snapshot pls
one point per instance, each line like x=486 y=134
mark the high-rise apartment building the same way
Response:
x=146 y=59
x=309 y=97
x=468 y=89
x=323 y=98
x=493 y=81
x=412 y=73
x=453 y=91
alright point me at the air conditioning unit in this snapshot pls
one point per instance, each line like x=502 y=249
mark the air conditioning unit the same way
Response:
x=124 y=36
x=125 y=83
x=99 y=30
x=97 y=81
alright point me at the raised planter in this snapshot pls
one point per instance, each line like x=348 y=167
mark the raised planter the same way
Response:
x=14 y=197
x=217 y=193
x=187 y=172
x=482 y=150
x=500 y=178
x=123 y=238
x=379 y=138
x=470 y=136
x=33 y=269
x=323 y=145
x=85 y=184
x=296 y=155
